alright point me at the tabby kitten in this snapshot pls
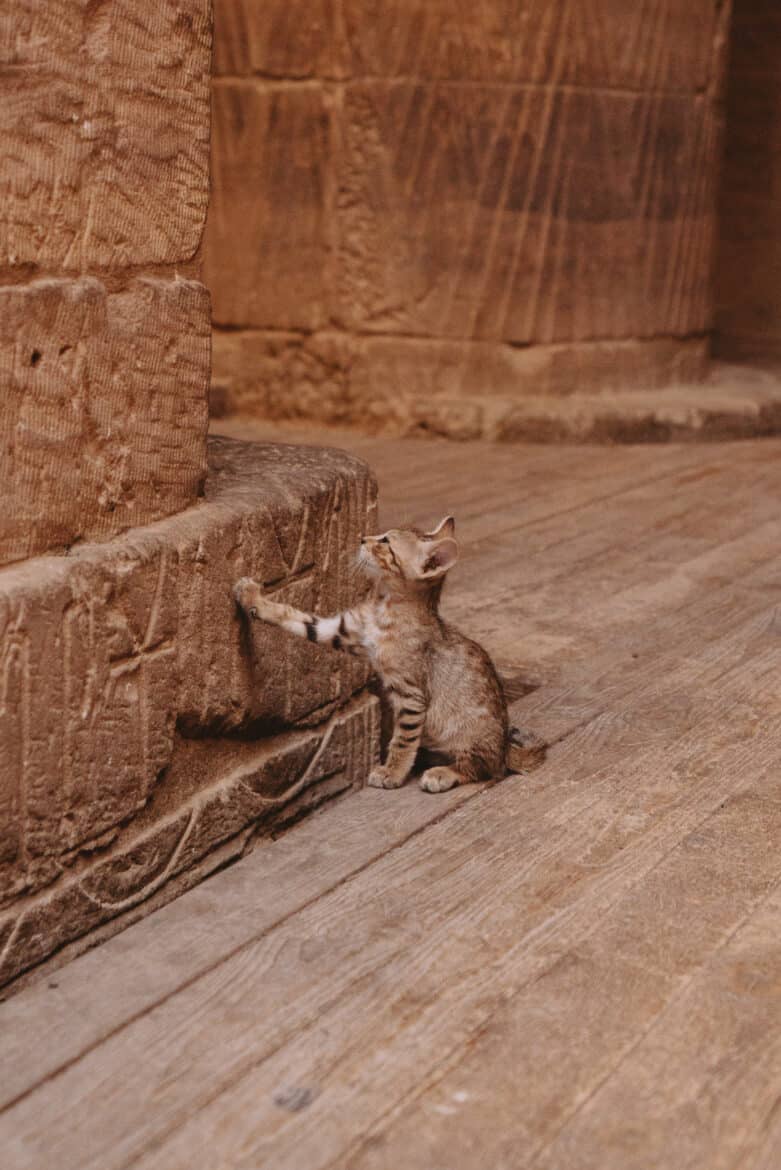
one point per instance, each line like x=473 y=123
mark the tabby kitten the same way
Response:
x=444 y=692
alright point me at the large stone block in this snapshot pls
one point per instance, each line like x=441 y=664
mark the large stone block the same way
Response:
x=602 y=43
x=142 y=724
x=105 y=129
x=414 y=373
x=525 y=214
x=104 y=408
x=286 y=375
x=268 y=244
x=286 y=39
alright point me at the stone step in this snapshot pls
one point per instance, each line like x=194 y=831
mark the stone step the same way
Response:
x=147 y=736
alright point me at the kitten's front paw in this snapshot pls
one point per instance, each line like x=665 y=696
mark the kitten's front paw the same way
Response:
x=439 y=779
x=381 y=777
x=247 y=594
x=254 y=602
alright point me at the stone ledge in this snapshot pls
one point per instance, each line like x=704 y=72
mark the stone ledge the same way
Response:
x=685 y=414
x=603 y=391
x=132 y=696
x=276 y=782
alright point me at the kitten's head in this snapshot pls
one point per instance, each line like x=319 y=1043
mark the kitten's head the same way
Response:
x=407 y=556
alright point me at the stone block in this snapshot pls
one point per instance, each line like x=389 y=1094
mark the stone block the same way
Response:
x=285 y=39
x=748 y=317
x=524 y=214
x=286 y=375
x=406 y=371
x=600 y=43
x=267 y=249
x=105 y=127
x=419 y=385
x=755 y=39
x=142 y=723
x=104 y=407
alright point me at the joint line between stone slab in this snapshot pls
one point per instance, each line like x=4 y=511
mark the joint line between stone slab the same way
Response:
x=302 y=333
x=276 y=81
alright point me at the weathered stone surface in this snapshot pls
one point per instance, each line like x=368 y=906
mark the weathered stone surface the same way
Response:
x=484 y=175
x=267 y=248
x=135 y=706
x=592 y=42
x=524 y=214
x=286 y=375
x=603 y=43
x=603 y=392
x=256 y=789
x=287 y=39
x=405 y=385
x=748 y=316
x=104 y=408
x=404 y=378
x=541 y=173
x=105 y=131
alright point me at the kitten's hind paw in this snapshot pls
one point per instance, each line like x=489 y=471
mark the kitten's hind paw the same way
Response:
x=381 y=777
x=440 y=779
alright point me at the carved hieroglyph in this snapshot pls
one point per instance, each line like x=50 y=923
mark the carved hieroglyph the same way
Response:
x=142 y=725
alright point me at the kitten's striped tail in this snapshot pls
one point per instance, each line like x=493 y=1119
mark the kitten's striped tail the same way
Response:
x=525 y=750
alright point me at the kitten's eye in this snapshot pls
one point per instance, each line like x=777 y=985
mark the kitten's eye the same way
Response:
x=383 y=540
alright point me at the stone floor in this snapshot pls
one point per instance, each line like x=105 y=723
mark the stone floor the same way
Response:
x=579 y=969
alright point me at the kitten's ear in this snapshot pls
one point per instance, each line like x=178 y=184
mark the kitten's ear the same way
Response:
x=446 y=527
x=441 y=558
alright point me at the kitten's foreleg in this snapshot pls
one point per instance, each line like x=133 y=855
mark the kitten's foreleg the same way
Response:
x=341 y=632
x=409 y=716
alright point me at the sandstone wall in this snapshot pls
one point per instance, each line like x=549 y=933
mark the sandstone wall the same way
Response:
x=104 y=327
x=749 y=270
x=423 y=212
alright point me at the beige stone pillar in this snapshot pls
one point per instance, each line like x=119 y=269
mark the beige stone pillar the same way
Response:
x=104 y=325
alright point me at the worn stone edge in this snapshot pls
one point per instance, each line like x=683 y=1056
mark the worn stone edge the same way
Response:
x=359 y=720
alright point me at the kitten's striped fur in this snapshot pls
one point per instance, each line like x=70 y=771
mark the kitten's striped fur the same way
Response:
x=445 y=695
